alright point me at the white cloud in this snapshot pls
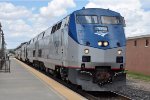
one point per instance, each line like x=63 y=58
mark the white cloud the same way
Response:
x=20 y=24
x=57 y=8
x=15 y=23
x=137 y=20
x=9 y=11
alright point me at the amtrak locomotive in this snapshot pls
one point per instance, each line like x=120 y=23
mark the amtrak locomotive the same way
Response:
x=86 y=48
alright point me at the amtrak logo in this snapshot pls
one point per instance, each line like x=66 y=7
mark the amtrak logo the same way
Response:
x=101 y=34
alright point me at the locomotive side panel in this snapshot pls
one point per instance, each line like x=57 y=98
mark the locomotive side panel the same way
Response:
x=53 y=46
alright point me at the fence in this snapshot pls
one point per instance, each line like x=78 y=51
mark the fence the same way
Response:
x=4 y=65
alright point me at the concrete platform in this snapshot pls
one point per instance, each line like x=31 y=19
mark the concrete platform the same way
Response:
x=21 y=84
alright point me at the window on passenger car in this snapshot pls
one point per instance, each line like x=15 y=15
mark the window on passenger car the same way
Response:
x=24 y=51
x=40 y=36
x=43 y=34
x=39 y=53
x=59 y=25
x=33 y=41
x=29 y=42
x=36 y=38
x=33 y=53
x=87 y=19
x=110 y=20
x=54 y=28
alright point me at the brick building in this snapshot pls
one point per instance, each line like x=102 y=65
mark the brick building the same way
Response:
x=138 y=54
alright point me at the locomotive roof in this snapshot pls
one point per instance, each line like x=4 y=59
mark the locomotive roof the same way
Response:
x=96 y=11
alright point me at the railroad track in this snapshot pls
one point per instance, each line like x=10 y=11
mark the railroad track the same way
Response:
x=105 y=96
x=96 y=95
x=122 y=97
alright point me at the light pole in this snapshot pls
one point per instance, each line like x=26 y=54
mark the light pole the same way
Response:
x=3 y=61
x=0 y=37
x=2 y=43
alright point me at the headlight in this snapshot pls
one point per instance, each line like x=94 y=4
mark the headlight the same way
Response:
x=119 y=52
x=100 y=43
x=86 y=51
x=105 y=43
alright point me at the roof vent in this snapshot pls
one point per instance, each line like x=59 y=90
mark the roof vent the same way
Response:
x=83 y=8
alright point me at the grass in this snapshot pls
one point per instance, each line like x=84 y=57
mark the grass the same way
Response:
x=138 y=76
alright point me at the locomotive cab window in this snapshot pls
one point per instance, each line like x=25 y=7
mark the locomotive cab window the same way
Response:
x=110 y=20
x=82 y=19
x=123 y=21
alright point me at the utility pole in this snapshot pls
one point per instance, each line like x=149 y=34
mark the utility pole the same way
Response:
x=4 y=61
x=2 y=50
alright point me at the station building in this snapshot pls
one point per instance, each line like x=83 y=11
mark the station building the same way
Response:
x=138 y=54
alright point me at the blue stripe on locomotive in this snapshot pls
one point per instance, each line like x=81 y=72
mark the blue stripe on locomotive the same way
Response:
x=115 y=32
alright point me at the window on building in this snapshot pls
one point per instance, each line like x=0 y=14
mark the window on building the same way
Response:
x=135 y=43
x=146 y=42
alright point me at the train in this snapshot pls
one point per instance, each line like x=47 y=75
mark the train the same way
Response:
x=86 y=48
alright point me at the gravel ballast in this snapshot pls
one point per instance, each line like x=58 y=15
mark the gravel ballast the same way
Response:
x=135 y=89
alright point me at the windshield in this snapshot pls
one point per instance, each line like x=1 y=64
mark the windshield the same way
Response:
x=87 y=19
x=110 y=20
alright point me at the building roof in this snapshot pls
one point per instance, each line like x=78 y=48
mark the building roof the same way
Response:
x=139 y=37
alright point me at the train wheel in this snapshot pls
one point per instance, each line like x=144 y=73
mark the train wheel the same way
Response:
x=64 y=74
x=57 y=72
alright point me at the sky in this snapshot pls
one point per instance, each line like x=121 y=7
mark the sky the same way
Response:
x=23 y=19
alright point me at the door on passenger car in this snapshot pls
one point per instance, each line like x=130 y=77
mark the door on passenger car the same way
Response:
x=62 y=47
